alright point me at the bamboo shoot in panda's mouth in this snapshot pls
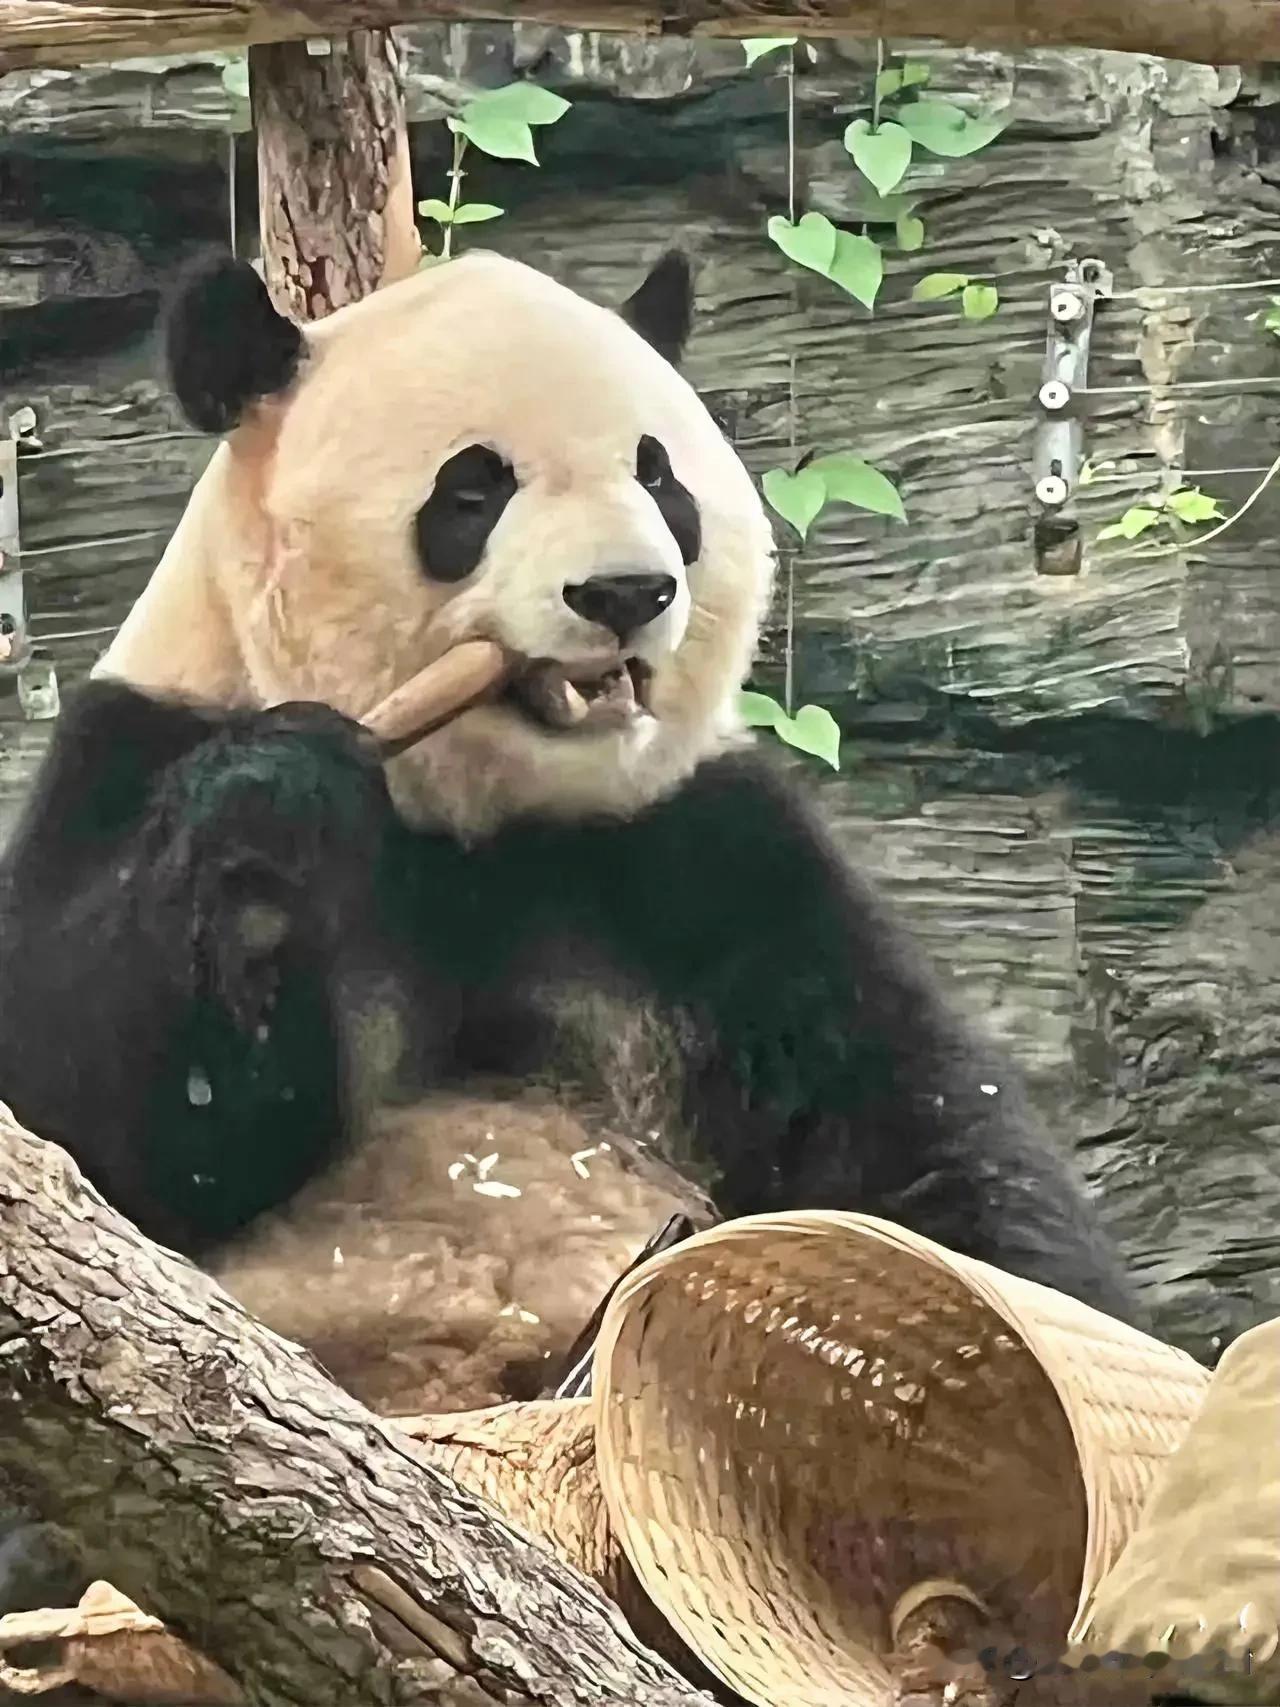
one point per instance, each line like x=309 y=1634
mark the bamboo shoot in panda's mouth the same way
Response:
x=438 y=693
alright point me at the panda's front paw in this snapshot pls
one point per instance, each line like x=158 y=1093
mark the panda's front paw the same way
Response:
x=263 y=848
x=309 y=720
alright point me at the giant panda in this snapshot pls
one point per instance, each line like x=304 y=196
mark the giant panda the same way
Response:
x=286 y=999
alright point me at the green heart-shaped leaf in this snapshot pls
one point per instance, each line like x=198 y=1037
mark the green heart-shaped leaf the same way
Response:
x=849 y=480
x=980 y=301
x=910 y=233
x=811 y=242
x=758 y=711
x=434 y=208
x=945 y=130
x=503 y=138
x=755 y=47
x=935 y=286
x=797 y=498
x=1131 y=524
x=471 y=213
x=899 y=77
x=858 y=267
x=521 y=103
x=1190 y=504
x=812 y=730
x=882 y=156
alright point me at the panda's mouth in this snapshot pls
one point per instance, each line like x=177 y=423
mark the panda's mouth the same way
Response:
x=558 y=697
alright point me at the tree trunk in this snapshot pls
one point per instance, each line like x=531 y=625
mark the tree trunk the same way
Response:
x=222 y=1482
x=73 y=32
x=334 y=183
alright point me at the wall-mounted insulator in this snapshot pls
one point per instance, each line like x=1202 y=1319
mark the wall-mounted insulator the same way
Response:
x=1059 y=441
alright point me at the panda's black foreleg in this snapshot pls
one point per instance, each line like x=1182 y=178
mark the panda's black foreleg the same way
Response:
x=830 y=1071
x=177 y=919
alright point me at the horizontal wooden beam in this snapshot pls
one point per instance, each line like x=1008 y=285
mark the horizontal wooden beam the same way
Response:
x=75 y=32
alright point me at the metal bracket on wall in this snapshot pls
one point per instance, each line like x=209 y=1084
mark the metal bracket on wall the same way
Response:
x=13 y=610
x=1059 y=438
x=37 y=683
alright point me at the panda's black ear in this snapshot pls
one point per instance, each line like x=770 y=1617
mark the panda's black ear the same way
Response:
x=225 y=344
x=661 y=310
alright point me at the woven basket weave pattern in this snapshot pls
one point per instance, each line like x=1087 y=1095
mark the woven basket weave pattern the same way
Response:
x=802 y=1417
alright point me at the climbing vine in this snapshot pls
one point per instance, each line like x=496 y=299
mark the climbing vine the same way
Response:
x=902 y=120
x=500 y=123
x=1174 y=512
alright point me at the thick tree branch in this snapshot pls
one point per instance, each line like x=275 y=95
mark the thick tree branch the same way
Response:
x=221 y=1481
x=72 y=32
x=334 y=189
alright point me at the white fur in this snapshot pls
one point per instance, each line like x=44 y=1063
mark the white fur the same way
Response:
x=417 y=1277
x=293 y=574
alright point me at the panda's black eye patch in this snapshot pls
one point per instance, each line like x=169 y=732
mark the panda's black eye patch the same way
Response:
x=452 y=528
x=676 y=502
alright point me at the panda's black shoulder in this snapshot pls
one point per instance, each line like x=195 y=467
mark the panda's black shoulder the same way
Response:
x=109 y=744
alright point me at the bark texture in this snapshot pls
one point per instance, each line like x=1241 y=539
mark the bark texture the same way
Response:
x=72 y=32
x=334 y=187
x=1067 y=784
x=250 y=1504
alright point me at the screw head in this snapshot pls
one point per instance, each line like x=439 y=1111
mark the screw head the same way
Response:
x=1055 y=394
x=1066 y=306
x=1052 y=491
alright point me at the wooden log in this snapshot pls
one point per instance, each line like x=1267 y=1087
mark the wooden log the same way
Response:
x=225 y=1485
x=76 y=32
x=334 y=184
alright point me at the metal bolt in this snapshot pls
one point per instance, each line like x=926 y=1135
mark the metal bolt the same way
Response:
x=1066 y=306
x=1052 y=491
x=1055 y=394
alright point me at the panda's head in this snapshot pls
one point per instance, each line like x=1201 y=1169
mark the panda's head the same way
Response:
x=476 y=451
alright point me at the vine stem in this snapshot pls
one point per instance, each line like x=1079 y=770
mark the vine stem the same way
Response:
x=456 y=175
x=875 y=96
x=1215 y=533
x=788 y=684
x=791 y=134
x=875 y=107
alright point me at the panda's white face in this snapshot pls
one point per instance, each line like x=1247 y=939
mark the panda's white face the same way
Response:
x=477 y=452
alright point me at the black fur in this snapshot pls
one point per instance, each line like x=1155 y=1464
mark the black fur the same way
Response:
x=677 y=504
x=661 y=309
x=826 y=1069
x=226 y=345
x=466 y=500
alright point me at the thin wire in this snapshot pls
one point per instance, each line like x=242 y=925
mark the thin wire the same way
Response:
x=90 y=544
x=104 y=447
x=231 y=190
x=788 y=685
x=1195 y=289
x=74 y=634
x=1180 y=473
x=1264 y=382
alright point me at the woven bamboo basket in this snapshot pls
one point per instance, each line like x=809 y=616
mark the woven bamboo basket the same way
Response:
x=1199 y=1578
x=806 y=1427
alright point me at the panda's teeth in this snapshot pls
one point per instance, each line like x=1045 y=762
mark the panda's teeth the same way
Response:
x=556 y=699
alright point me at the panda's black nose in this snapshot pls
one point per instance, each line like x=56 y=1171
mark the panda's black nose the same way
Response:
x=621 y=603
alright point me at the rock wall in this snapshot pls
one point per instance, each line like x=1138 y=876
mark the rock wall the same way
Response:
x=1069 y=783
